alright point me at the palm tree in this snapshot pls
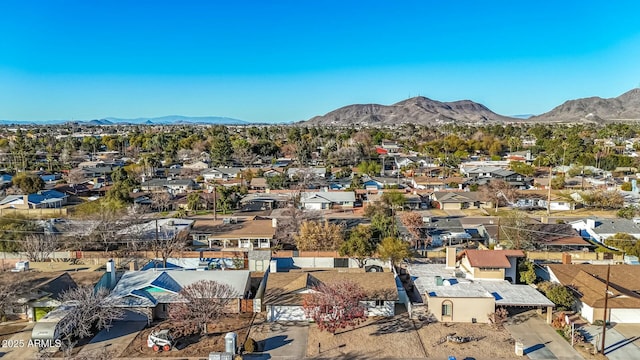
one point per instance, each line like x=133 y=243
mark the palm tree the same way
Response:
x=193 y=201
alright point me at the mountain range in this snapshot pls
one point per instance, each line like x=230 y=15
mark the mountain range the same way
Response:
x=164 y=120
x=418 y=110
x=424 y=111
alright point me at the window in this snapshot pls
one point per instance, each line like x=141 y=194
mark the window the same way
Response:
x=447 y=308
x=379 y=302
x=340 y=263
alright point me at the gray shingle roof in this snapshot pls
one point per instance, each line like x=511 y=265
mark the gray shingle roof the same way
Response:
x=147 y=288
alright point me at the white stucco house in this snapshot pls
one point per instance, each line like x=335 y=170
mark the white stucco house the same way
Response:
x=324 y=200
x=601 y=229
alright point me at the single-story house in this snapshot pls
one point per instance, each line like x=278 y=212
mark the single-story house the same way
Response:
x=258 y=183
x=324 y=200
x=306 y=173
x=43 y=297
x=161 y=229
x=198 y=165
x=600 y=229
x=284 y=291
x=175 y=186
x=223 y=174
x=588 y=283
x=43 y=199
x=234 y=232
x=456 y=200
x=152 y=292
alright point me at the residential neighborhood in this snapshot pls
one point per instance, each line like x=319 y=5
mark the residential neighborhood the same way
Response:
x=285 y=252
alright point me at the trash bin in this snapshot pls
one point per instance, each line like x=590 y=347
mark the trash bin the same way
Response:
x=519 y=348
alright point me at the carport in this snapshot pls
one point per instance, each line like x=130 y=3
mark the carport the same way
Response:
x=508 y=295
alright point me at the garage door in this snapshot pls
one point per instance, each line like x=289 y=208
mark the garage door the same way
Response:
x=625 y=316
x=287 y=313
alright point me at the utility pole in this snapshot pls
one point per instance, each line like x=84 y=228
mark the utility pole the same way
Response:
x=549 y=191
x=215 y=202
x=606 y=298
x=157 y=243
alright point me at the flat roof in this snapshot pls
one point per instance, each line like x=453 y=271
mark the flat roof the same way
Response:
x=504 y=293
x=507 y=294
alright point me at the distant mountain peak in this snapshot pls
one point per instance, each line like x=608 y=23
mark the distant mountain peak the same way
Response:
x=595 y=109
x=417 y=110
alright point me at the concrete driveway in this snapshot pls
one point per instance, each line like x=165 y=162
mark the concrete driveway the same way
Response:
x=118 y=337
x=621 y=341
x=285 y=341
x=457 y=213
x=540 y=340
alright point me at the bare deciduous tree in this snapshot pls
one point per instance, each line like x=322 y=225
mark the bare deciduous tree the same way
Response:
x=161 y=200
x=167 y=242
x=38 y=247
x=9 y=292
x=413 y=222
x=75 y=177
x=499 y=192
x=289 y=224
x=336 y=305
x=203 y=302
x=90 y=310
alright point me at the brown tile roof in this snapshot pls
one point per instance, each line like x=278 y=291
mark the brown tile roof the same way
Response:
x=286 y=288
x=589 y=281
x=490 y=258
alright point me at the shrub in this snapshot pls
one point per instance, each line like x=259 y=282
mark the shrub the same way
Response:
x=499 y=317
x=558 y=322
x=250 y=346
x=561 y=296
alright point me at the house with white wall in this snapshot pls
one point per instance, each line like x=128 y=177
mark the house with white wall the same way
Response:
x=324 y=200
x=599 y=229
x=285 y=291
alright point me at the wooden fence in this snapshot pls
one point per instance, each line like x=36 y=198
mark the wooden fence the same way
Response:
x=35 y=213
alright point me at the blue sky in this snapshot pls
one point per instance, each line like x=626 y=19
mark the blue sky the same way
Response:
x=279 y=61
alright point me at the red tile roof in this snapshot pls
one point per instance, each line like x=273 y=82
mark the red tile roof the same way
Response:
x=490 y=258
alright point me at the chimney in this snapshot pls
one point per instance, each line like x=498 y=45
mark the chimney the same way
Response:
x=566 y=259
x=133 y=265
x=591 y=223
x=111 y=269
x=451 y=258
x=274 y=223
x=273 y=266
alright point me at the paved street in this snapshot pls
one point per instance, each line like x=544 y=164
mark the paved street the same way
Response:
x=622 y=342
x=540 y=340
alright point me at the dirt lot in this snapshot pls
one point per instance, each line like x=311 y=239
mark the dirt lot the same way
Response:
x=402 y=338
x=193 y=346
x=490 y=343
x=376 y=338
x=8 y=330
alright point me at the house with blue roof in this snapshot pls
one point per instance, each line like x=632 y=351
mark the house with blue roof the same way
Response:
x=45 y=199
x=5 y=179
x=50 y=177
x=151 y=292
